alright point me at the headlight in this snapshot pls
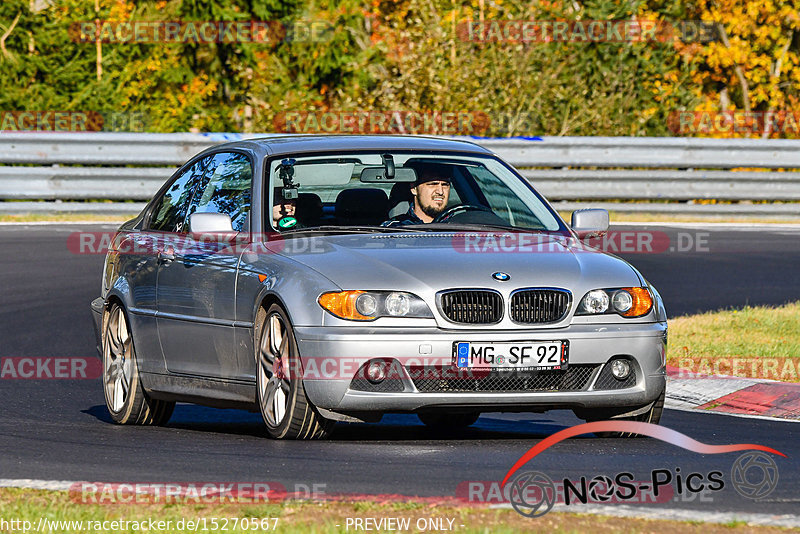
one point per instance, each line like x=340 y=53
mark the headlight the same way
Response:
x=622 y=301
x=595 y=301
x=625 y=301
x=369 y=305
x=398 y=304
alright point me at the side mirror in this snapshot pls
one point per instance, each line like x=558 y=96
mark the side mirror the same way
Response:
x=210 y=223
x=590 y=223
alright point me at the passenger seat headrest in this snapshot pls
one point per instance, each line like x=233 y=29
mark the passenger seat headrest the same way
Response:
x=362 y=206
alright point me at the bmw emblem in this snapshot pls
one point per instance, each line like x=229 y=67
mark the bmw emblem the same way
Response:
x=501 y=277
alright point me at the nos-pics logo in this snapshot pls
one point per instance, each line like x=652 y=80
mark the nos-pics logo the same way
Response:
x=754 y=474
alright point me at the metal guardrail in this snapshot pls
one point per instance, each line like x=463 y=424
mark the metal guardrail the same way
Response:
x=102 y=148
x=648 y=152
x=568 y=184
x=83 y=166
x=81 y=183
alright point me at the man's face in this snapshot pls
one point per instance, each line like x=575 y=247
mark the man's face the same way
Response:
x=430 y=199
x=281 y=207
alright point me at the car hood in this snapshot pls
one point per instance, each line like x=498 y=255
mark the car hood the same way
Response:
x=429 y=262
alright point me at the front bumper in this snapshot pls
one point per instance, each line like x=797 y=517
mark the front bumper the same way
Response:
x=97 y=307
x=332 y=357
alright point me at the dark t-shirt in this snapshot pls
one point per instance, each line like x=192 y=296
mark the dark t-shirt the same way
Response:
x=408 y=217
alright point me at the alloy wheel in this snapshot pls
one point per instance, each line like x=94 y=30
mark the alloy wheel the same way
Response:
x=273 y=369
x=117 y=361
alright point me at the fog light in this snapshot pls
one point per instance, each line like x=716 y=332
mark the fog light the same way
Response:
x=376 y=372
x=620 y=369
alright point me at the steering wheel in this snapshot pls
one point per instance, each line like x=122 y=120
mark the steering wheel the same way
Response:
x=461 y=208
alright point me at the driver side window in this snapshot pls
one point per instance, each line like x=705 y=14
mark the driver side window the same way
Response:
x=225 y=188
x=169 y=211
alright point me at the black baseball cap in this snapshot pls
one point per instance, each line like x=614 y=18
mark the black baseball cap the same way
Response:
x=431 y=172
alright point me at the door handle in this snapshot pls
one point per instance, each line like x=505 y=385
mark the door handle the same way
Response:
x=167 y=254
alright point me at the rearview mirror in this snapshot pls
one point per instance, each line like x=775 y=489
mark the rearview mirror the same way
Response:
x=590 y=222
x=210 y=223
x=371 y=175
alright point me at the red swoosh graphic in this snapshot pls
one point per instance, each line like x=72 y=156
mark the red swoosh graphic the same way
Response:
x=647 y=429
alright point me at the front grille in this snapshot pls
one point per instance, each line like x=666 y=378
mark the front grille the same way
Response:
x=472 y=306
x=535 y=306
x=453 y=380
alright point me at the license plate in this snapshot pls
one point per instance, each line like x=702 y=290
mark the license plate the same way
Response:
x=517 y=355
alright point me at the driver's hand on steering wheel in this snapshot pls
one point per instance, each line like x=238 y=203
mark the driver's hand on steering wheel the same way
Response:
x=459 y=208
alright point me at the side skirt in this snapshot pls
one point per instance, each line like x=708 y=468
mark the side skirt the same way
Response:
x=214 y=392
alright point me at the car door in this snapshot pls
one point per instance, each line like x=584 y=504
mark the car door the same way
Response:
x=165 y=217
x=197 y=283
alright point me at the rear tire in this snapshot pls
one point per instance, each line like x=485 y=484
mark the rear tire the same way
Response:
x=652 y=416
x=287 y=412
x=442 y=421
x=125 y=398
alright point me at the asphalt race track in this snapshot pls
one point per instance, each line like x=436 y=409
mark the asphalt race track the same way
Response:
x=60 y=430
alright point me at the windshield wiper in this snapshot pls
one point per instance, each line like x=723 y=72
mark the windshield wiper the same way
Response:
x=352 y=229
x=458 y=227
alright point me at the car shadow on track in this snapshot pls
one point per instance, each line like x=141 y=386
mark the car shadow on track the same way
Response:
x=393 y=427
x=409 y=428
x=201 y=419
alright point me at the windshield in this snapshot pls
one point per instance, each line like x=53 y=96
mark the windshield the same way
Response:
x=403 y=192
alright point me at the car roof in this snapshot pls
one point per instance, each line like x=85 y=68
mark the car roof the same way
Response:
x=294 y=144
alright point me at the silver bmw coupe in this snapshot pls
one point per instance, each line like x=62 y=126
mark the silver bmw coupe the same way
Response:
x=337 y=278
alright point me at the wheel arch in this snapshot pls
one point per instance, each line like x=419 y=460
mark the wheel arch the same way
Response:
x=121 y=292
x=145 y=358
x=262 y=304
x=113 y=298
x=268 y=299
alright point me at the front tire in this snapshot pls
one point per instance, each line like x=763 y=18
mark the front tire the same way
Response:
x=287 y=412
x=125 y=398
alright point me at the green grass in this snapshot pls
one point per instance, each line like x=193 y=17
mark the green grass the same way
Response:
x=296 y=517
x=765 y=340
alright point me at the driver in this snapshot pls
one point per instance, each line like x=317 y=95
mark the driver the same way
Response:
x=430 y=194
